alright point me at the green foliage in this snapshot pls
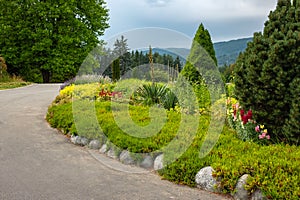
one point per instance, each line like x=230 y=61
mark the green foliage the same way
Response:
x=115 y=70
x=203 y=39
x=151 y=94
x=191 y=74
x=169 y=100
x=273 y=169
x=61 y=117
x=265 y=71
x=48 y=41
x=292 y=125
x=202 y=51
x=9 y=84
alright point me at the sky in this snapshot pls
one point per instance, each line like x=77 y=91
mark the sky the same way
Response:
x=224 y=19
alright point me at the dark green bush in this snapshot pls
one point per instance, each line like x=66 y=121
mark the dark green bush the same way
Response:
x=265 y=71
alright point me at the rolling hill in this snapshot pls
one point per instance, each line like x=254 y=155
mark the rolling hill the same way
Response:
x=226 y=52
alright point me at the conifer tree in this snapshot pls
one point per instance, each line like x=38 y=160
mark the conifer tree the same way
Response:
x=265 y=71
x=202 y=46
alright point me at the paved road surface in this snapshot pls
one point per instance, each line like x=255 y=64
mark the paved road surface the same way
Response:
x=36 y=162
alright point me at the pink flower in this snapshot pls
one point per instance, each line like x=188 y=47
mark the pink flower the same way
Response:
x=261 y=137
x=268 y=137
x=257 y=129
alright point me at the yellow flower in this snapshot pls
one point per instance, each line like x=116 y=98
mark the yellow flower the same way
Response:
x=262 y=126
x=265 y=131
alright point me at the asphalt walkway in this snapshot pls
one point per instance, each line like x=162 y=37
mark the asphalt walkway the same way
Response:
x=37 y=162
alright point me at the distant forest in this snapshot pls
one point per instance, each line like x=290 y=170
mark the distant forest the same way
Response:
x=227 y=52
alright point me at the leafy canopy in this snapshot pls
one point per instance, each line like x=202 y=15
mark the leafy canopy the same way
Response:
x=48 y=40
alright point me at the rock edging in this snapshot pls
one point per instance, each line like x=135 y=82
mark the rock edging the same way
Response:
x=204 y=178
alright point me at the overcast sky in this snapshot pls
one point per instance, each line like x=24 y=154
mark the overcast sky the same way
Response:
x=225 y=19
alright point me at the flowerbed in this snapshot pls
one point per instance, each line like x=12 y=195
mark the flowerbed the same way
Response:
x=274 y=169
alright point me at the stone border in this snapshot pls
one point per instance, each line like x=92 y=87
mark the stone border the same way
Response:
x=204 y=178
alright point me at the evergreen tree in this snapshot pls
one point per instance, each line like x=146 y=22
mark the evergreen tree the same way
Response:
x=48 y=40
x=263 y=73
x=121 y=50
x=203 y=38
x=202 y=57
x=116 y=70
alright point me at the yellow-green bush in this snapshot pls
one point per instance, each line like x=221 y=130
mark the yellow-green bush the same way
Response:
x=274 y=169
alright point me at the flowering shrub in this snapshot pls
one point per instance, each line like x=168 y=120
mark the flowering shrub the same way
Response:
x=247 y=129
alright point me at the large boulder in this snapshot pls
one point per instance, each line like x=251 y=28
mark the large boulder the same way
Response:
x=111 y=153
x=241 y=192
x=126 y=159
x=94 y=144
x=205 y=180
x=103 y=149
x=84 y=141
x=147 y=163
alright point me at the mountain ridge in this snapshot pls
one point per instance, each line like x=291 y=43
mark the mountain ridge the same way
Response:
x=226 y=51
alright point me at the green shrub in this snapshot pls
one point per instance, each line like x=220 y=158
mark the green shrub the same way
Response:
x=151 y=94
x=274 y=169
x=265 y=71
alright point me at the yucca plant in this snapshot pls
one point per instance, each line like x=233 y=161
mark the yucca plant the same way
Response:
x=151 y=94
x=169 y=100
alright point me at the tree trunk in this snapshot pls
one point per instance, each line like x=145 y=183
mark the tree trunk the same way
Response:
x=46 y=76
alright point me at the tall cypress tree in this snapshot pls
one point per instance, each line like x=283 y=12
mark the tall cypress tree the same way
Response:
x=202 y=46
x=263 y=73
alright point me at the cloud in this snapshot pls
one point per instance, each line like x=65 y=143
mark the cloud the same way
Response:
x=158 y=3
x=221 y=17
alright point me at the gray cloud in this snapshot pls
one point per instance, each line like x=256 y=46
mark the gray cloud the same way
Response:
x=224 y=19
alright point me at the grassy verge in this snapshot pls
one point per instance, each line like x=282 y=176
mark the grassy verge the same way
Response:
x=11 y=85
x=274 y=169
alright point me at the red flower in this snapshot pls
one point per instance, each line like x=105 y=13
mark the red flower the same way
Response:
x=242 y=113
x=249 y=114
x=244 y=119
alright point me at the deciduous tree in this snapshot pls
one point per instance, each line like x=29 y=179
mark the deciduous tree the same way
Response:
x=48 y=40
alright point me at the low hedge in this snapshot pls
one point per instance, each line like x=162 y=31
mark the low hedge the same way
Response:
x=274 y=169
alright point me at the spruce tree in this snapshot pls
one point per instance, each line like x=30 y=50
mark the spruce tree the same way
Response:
x=265 y=71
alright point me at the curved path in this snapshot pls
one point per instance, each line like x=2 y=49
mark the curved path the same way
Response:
x=36 y=162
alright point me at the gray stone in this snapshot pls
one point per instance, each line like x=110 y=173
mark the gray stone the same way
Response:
x=125 y=158
x=73 y=139
x=78 y=140
x=258 y=195
x=205 y=180
x=111 y=153
x=84 y=141
x=158 y=162
x=241 y=192
x=94 y=144
x=103 y=149
x=147 y=162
